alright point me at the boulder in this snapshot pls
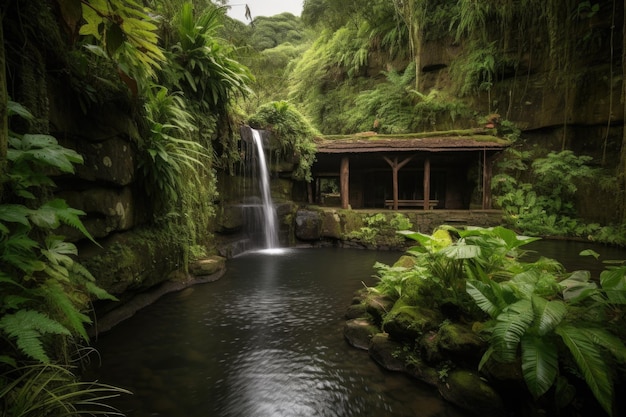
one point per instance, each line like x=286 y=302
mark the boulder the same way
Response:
x=460 y=342
x=359 y=332
x=308 y=225
x=418 y=369
x=467 y=390
x=407 y=323
x=386 y=352
x=377 y=305
x=331 y=225
x=207 y=266
x=356 y=311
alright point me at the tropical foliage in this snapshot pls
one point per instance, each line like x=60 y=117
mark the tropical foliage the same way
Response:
x=44 y=291
x=292 y=135
x=532 y=313
x=539 y=195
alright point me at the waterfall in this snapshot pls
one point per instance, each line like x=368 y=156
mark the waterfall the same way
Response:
x=269 y=218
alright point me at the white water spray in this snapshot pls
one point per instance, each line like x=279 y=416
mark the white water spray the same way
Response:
x=269 y=212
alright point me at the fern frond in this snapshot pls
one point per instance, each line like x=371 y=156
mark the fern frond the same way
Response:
x=57 y=211
x=63 y=307
x=27 y=327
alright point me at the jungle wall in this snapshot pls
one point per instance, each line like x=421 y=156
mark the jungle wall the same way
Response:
x=582 y=111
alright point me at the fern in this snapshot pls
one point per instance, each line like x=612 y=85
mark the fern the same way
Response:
x=62 y=307
x=27 y=328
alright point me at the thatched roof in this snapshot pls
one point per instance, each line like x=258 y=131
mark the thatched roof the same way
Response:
x=457 y=140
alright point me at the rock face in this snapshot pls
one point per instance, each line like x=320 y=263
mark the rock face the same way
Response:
x=308 y=225
x=342 y=227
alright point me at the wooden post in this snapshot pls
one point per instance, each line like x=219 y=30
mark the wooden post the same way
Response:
x=395 y=167
x=427 y=184
x=344 y=175
x=487 y=172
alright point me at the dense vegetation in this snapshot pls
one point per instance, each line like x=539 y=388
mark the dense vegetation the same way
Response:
x=189 y=76
x=559 y=327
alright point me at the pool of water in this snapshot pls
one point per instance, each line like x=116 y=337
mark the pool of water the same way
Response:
x=264 y=340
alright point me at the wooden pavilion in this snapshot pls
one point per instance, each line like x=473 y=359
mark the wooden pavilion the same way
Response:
x=434 y=170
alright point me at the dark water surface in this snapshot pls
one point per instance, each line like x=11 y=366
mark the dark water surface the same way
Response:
x=265 y=340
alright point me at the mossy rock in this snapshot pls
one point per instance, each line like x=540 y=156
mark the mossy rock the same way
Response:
x=461 y=342
x=359 y=332
x=355 y=311
x=133 y=261
x=387 y=352
x=405 y=261
x=308 y=225
x=331 y=225
x=407 y=322
x=378 y=305
x=418 y=369
x=468 y=391
x=207 y=266
x=351 y=221
x=429 y=347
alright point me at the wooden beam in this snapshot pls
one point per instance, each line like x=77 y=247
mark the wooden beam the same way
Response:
x=395 y=167
x=427 y=184
x=344 y=180
x=487 y=173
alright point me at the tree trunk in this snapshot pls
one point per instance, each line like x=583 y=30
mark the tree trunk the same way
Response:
x=344 y=175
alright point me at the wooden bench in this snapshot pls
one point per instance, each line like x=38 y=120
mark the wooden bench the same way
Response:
x=411 y=203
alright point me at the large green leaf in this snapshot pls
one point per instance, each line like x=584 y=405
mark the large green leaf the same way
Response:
x=486 y=295
x=15 y=213
x=548 y=314
x=613 y=282
x=578 y=286
x=510 y=326
x=460 y=251
x=540 y=364
x=591 y=363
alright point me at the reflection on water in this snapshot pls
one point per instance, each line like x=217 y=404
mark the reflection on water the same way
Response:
x=568 y=253
x=265 y=340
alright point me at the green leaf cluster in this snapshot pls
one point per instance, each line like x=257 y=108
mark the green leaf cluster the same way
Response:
x=539 y=196
x=44 y=292
x=292 y=135
x=534 y=314
x=381 y=230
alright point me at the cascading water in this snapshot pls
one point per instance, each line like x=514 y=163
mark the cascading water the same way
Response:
x=268 y=210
